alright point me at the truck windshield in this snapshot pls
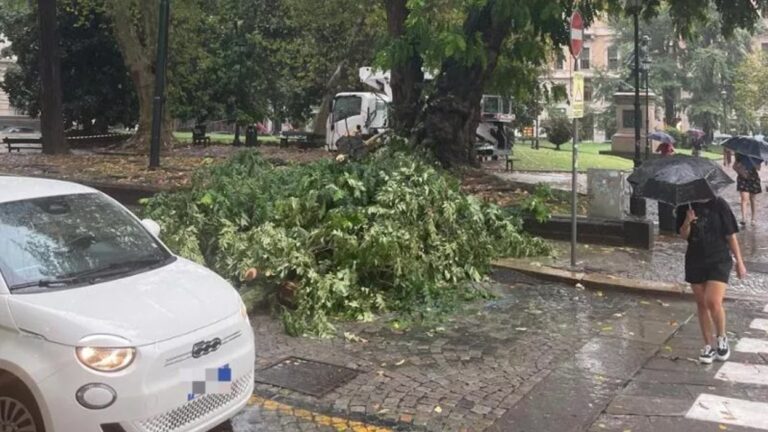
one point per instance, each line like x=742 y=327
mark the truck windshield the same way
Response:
x=345 y=107
x=58 y=240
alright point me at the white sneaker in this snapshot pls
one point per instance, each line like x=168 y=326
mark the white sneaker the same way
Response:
x=723 y=350
x=707 y=355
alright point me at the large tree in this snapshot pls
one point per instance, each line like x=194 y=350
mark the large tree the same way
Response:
x=469 y=39
x=105 y=98
x=750 y=97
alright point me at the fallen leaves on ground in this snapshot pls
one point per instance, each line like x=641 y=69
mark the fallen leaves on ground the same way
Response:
x=129 y=167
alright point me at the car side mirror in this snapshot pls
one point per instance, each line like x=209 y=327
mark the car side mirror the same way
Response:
x=151 y=226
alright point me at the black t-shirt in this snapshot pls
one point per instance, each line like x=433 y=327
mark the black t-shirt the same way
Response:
x=708 y=241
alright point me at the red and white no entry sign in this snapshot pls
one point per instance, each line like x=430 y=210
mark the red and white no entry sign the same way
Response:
x=577 y=34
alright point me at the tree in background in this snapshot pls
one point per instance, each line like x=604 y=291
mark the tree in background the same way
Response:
x=750 y=93
x=466 y=42
x=97 y=91
x=697 y=58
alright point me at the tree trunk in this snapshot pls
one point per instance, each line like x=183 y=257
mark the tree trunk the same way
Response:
x=331 y=87
x=135 y=25
x=669 y=106
x=325 y=105
x=407 y=78
x=450 y=120
x=51 y=121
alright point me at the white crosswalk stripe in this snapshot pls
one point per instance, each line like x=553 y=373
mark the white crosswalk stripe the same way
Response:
x=743 y=373
x=759 y=324
x=750 y=345
x=731 y=411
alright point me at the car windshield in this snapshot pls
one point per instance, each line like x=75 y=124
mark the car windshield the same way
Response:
x=64 y=238
x=347 y=106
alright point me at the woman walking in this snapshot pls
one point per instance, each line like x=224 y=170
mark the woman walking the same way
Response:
x=748 y=184
x=710 y=229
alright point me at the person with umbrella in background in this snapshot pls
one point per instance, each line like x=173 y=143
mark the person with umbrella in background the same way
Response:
x=748 y=184
x=709 y=226
x=750 y=154
x=666 y=148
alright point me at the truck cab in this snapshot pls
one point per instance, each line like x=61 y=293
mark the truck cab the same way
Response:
x=363 y=114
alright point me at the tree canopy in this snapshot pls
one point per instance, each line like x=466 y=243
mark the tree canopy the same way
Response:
x=97 y=91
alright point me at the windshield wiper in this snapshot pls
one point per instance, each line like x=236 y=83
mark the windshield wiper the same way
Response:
x=115 y=268
x=46 y=283
x=91 y=275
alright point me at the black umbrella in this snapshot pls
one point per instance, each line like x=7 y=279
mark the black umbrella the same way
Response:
x=679 y=180
x=748 y=146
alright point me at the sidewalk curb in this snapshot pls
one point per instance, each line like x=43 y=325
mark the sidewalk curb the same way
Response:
x=592 y=280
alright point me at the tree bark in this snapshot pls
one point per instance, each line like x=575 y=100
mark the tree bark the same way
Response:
x=51 y=119
x=135 y=25
x=331 y=87
x=449 y=122
x=407 y=75
x=325 y=105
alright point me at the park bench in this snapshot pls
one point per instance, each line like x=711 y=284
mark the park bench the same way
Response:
x=486 y=152
x=18 y=144
x=199 y=137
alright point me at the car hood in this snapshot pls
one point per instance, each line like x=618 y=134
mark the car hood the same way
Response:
x=144 y=308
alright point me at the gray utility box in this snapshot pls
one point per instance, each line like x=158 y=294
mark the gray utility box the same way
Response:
x=608 y=193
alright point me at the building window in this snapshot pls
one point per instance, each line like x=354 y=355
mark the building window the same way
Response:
x=560 y=62
x=587 y=91
x=613 y=57
x=584 y=58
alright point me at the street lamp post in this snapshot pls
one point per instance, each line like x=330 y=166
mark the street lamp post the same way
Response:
x=724 y=125
x=636 y=204
x=647 y=70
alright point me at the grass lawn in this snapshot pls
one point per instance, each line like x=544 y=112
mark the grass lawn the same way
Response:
x=222 y=138
x=547 y=158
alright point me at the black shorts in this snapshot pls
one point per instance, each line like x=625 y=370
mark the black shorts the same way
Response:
x=718 y=271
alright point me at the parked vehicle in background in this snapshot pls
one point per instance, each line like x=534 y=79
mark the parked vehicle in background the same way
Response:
x=102 y=328
x=366 y=114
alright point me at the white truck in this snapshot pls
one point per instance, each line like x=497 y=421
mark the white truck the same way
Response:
x=366 y=114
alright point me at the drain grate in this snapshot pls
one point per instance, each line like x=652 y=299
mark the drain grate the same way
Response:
x=310 y=377
x=756 y=267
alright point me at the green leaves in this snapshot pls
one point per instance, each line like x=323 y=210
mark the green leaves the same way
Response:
x=391 y=233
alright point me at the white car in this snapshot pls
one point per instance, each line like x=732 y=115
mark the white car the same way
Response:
x=102 y=329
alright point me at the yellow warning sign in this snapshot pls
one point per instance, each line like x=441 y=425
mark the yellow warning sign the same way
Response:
x=577 y=95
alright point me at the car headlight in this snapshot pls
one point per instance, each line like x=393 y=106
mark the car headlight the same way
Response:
x=106 y=359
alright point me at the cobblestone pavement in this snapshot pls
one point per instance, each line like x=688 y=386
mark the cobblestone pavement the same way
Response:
x=533 y=357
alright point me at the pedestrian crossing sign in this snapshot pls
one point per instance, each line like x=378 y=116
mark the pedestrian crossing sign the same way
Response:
x=577 y=95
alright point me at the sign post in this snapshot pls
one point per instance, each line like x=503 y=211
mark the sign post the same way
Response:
x=577 y=112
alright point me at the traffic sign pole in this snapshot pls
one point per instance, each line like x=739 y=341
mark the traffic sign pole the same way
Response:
x=577 y=111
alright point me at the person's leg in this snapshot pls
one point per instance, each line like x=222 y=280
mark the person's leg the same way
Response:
x=705 y=321
x=714 y=293
x=744 y=199
x=752 y=201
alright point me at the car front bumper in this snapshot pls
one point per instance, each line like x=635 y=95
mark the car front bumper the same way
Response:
x=156 y=393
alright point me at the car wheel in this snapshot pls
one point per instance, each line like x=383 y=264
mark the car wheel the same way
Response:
x=18 y=410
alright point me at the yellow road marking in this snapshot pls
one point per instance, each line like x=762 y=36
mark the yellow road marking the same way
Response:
x=338 y=423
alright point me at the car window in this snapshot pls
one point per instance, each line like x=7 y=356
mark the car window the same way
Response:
x=55 y=237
